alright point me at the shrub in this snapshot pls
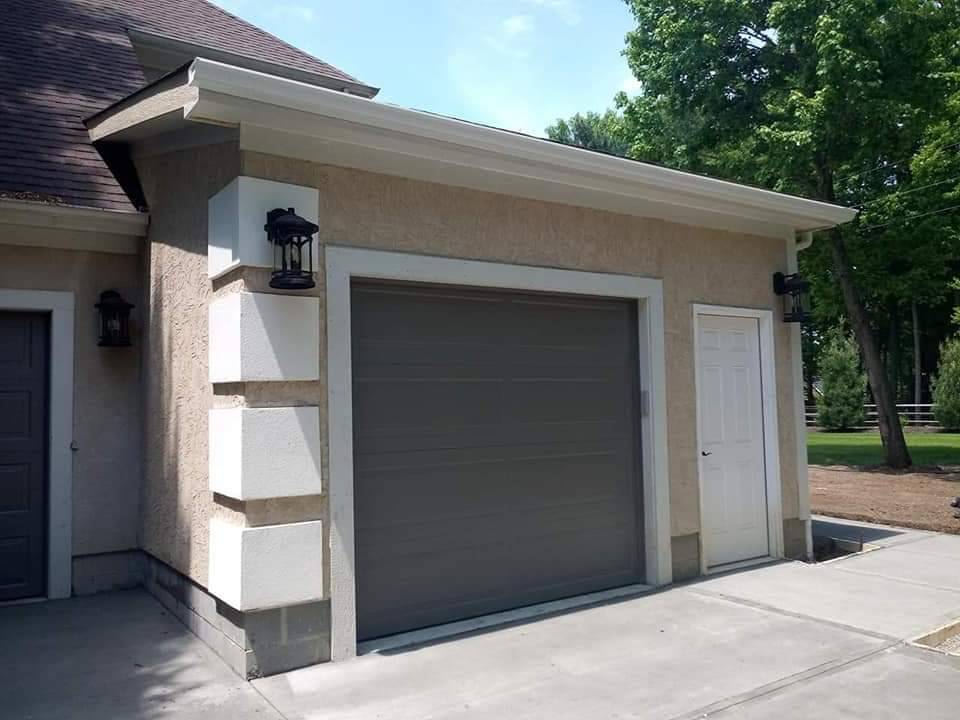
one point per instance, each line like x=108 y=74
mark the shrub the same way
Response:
x=840 y=406
x=946 y=385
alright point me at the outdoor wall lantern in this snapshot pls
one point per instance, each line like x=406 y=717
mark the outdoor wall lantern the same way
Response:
x=292 y=240
x=114 y=320
x=795 y=291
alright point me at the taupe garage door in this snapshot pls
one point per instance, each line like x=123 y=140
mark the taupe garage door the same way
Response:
x=496 y=452
x=23 y=429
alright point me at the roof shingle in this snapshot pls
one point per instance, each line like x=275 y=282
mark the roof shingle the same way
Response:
x=63 y=60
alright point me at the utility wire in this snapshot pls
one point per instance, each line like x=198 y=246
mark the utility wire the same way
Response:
x=910 y=217
x=896 y=193
x=887 y=166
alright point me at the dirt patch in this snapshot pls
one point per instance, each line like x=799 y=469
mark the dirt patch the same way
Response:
x=917 y=499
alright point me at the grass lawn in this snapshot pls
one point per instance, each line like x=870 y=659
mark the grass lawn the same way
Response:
x=863 y=448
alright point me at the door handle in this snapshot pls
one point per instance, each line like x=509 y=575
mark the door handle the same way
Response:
x=705 y=453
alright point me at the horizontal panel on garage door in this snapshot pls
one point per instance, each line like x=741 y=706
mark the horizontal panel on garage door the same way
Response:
x=496 y=457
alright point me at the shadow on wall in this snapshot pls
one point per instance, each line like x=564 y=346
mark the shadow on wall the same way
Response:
x=176 y=499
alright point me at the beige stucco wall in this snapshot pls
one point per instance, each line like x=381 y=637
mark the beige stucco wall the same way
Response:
x=376 y=211
x=697 y=265
x=176 y=503
x=107 y=391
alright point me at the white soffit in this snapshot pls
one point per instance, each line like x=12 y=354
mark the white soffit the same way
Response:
x=265 y=567
x=260 y=453
x=237 y=214
x=260 y=336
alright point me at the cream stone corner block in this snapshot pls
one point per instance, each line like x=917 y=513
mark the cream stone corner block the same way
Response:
x=258 y=453
x=237 y=214
x=265 y=567
x=258 y=336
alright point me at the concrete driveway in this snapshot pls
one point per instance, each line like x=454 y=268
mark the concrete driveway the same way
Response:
x=782 y=641
x=785 y=641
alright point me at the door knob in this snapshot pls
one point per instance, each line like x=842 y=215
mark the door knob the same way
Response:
x=705 y=453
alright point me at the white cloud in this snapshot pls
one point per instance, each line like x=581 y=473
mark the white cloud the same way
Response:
x=301 y=13
x=492 y=72
x=631 y=86
x=517 y=25
x=566 y=9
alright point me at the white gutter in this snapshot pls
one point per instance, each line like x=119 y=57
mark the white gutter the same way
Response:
x=635 y=177
x=72 y=217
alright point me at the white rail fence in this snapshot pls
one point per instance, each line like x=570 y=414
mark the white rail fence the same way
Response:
x=914 y=416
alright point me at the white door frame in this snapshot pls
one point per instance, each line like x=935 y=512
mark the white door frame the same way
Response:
x=342 y=264
x=60 y=429
x=771 y=433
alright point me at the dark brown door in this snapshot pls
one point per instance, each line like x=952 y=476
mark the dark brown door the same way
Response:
x=23 y=430
x=496 y=451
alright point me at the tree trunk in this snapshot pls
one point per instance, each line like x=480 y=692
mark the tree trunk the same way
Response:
x=893 y=349
x=891 y=433
x=917 y=359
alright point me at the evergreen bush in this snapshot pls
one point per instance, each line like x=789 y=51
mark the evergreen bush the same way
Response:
x=840 y=406
x=946 y=385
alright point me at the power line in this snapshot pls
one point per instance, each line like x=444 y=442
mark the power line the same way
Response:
x=901 y=193
x=910 y=217
x=887 y=166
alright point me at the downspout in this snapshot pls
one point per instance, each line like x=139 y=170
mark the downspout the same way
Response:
x=796 y=244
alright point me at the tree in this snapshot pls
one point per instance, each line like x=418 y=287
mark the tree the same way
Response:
x=592 y=131
x=826 y=98
x=840 y=405
x=946 y=386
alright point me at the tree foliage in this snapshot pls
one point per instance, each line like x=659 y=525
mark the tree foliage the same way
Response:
x=593 y=131
x=851 y=101
x=946 y=386
x=844 y=385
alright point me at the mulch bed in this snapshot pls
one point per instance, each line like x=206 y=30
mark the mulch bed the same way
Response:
x=918 y=498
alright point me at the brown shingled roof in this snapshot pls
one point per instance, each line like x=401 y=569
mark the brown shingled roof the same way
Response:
x=63 y=60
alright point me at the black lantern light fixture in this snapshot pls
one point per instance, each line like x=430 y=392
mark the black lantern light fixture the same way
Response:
x=114 y=320
x=795 y=291
x=292 y=240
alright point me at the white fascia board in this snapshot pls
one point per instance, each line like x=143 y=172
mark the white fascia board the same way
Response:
x=256 y=568
x=237 y=214
x=228 y=94
x=262 y=336
x=262 y=453
x=73 y=217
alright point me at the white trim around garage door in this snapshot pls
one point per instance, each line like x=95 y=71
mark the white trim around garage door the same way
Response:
x=342 y=264
x=60 y=430
x=771 y=433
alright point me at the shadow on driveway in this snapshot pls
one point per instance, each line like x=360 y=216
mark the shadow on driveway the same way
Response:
x=113 y=656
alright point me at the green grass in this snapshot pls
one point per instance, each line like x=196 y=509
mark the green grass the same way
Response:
x=934 y=448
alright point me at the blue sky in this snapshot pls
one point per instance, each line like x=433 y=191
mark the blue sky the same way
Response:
x=517 y=64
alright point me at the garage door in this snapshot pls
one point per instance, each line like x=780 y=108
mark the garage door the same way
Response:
x=23 y=428
x=496 y=452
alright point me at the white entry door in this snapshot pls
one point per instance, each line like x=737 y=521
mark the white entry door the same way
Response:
x=730 y=409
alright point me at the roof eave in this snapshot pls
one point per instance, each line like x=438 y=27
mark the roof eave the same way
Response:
x=292 y=118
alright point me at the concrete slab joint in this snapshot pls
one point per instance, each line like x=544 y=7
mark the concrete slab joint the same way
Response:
x=266 y=567
x=260 y=453
x=236 y=216
x=263 y=337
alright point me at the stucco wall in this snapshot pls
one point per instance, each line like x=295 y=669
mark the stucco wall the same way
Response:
x=176 y=503
x=375 y=211
x=106 y=427
x=697 y=265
